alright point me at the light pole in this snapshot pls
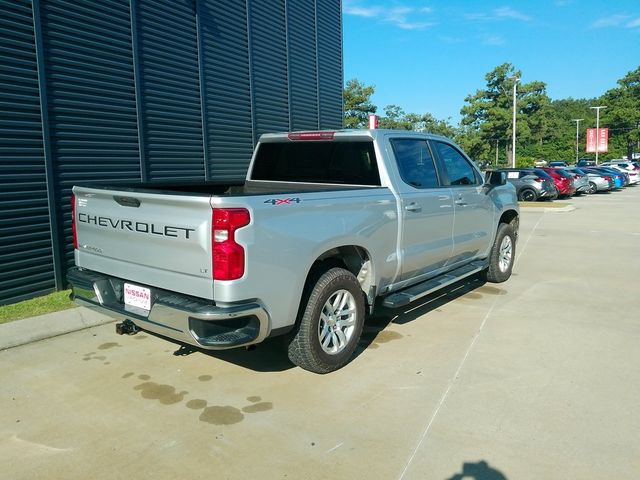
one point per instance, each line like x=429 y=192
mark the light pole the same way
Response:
x=513 y=136
x=597 y=109
x=577 y=120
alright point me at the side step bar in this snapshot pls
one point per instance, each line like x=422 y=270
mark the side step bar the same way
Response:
x=410 y=294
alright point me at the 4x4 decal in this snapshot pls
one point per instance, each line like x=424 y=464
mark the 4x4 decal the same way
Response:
x=283 y=201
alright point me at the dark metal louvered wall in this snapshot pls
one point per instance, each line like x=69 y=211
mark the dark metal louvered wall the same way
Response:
x=26 y=258
x=126 y=90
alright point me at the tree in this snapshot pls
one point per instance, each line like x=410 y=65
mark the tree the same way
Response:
x=396 y=118
x=487 y=117
x=357 y=104
x=622 y=114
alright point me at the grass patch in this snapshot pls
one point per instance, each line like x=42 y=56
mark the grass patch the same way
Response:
x=54 y=302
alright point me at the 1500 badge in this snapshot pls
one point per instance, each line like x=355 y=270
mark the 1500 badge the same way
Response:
x=283 y=201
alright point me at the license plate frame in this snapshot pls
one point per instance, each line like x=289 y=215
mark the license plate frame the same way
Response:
x=137 y=296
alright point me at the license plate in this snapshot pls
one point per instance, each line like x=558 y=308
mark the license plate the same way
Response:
x=136 y=296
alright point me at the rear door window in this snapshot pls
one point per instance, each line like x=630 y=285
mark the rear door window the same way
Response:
x=415 y=162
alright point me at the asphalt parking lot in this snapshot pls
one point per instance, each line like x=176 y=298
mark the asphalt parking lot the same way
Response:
x=536 y=378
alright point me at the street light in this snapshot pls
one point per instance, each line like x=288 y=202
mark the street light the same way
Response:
x=597 y=109
x=513 y=135
x=577 y=120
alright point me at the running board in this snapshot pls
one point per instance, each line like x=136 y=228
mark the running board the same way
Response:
x=410 y=294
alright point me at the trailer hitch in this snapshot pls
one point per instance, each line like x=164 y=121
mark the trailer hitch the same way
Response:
x=127 y=327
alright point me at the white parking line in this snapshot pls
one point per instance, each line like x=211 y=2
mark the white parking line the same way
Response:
x=446 y=392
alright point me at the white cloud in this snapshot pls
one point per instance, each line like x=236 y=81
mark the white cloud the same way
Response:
x=610 y=21
x=634 y=23
x=508 y=12
x=494 y=40
x=501 y=13
x=358 y=11
x=404 y=17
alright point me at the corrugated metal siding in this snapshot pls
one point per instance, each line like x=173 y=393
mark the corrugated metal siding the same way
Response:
x=226 y=88
x=170 y=89
x=330 y=63
x=26 y=259
x=303 y=71
x=154 y=89
x=92 y=108
x=269 y=66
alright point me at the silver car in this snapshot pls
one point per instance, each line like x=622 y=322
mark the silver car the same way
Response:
x=597 y=182
x=580 y=180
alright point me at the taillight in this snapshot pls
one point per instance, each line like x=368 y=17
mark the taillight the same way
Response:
x=73 y=221
x=227 y=256
x=538 y=179
x=607 y=178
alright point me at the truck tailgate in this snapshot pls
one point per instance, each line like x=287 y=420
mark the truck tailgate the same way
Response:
x=161 y=240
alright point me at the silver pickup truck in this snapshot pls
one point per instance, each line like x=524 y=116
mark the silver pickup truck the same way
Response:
x=324 y=225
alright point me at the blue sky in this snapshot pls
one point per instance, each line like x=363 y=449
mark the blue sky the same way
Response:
x=426 y=56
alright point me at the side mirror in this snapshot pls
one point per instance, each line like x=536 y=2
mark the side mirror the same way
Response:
x=495 y=179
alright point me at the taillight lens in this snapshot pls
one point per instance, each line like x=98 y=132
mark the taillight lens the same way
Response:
x=539 y=180
x=607 y=178
x=73 y=222
x=228 y=255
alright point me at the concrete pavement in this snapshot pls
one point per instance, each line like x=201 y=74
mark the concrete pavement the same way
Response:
x=535 y=378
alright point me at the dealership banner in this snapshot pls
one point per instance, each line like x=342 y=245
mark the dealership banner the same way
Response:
x=597 y=141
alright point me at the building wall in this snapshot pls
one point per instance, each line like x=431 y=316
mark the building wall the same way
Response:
x=114 y=91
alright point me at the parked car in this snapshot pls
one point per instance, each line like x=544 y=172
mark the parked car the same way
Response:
x=558 y=164
x=625 y=167
x=531 y=186
x=617 y=177
x=563 y=181
x=580 y=180
x=597 y=182
x=614 y=171
x=324 y=223
x=586 y=162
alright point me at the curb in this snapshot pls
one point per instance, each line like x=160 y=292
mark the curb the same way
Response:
x=530 y=205
x=34 y=329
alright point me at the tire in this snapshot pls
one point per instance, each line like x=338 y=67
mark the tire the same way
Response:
x=502 y=255
x=527 y=195
x=329 y=324
x=592 y=187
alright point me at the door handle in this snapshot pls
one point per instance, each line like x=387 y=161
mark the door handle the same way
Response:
x=413 y=207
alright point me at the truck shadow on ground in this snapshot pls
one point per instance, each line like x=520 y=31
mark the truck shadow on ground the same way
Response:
x=271 y=355
x=373 y=333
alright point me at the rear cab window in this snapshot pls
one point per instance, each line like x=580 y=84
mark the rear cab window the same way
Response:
x=335 y=162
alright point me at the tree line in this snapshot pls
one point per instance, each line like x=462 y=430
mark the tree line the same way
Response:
x=545 y=128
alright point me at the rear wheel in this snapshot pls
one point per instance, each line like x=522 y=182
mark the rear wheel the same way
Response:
x=592 y=187
x=502 y=255
x=528 y=195
x=330 y=324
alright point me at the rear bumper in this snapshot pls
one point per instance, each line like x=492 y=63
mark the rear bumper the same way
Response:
x=180 y=317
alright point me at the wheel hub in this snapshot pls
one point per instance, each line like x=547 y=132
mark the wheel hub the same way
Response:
x=337 y=322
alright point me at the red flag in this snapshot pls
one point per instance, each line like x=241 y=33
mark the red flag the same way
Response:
x=597 y=140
